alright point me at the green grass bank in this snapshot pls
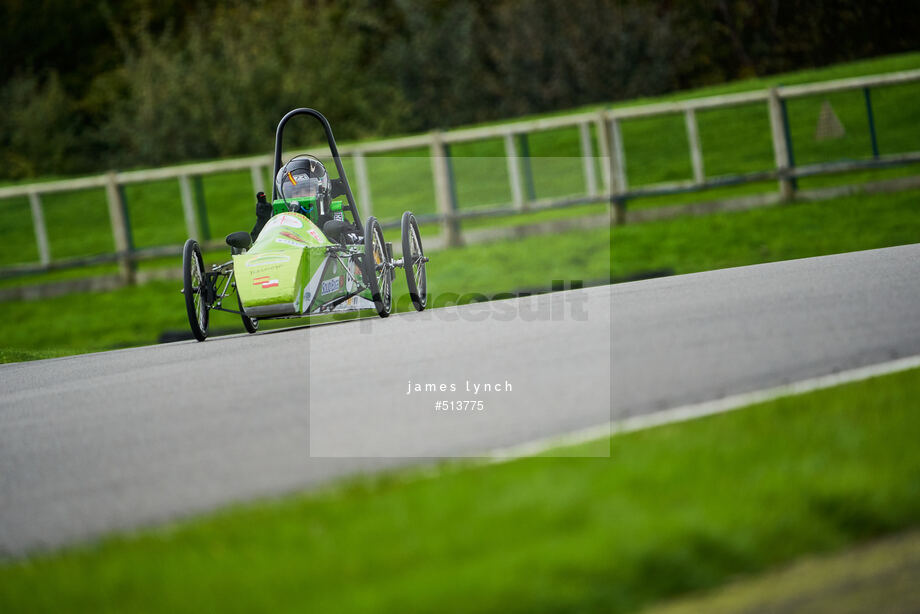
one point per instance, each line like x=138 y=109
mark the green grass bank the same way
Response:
x=84 y=322
x=674 y=509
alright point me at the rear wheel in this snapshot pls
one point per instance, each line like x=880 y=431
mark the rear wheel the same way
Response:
x=376 y=267
x=251 y=324
x=414 y=261
x=194 y=288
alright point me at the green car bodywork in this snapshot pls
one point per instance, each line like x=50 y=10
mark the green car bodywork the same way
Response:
x=293 y=269
x=283 y=206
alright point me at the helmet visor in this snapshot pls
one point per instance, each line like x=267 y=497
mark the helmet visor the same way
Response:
x=299 y=186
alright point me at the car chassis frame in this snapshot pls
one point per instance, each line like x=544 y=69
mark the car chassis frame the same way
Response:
x=206 y=290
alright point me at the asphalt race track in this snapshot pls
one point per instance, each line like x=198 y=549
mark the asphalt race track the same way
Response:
x=109 y=441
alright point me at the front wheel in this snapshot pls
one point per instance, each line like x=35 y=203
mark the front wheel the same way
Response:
x=376 y=267
x=250 y=324
x=194 y=289
x=414 y=261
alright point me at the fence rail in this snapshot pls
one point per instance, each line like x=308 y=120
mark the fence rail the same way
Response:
x=612 y=186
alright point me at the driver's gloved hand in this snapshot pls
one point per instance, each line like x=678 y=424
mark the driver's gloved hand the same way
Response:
x=263 y=214
x=263 y=207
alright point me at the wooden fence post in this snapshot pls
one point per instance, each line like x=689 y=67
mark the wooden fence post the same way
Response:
x=514 y=172
x=619 y=184
x=201 y=208
x=530 y=188
x=258 y=179
x=780 y=148
x=188 y=208
x=696 y=152
x=587 y=158
x=121 y=233
x=364 y=186
x=870 y=117
x=444 y=193
x=41 y=231
x=603 y=144
x=617 y=158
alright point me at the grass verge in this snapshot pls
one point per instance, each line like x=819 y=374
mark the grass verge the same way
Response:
x=85 y=322
x=880 y=576
x=674 y=509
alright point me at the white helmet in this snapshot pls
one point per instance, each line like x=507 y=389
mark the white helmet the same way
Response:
x=302 y=177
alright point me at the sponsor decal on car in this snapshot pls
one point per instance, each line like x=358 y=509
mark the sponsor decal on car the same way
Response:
x=284 y=241
x=314 y=234
x=285 y=219
x=351 y=281
x=292 y=236
x=332 y=285
x=268 y=258
x=357 y=302
x=265 y=281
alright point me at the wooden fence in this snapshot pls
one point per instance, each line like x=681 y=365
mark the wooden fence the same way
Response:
x=612 y=187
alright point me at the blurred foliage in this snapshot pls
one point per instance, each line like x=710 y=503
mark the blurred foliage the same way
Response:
x=119 y=84
x=36 y=134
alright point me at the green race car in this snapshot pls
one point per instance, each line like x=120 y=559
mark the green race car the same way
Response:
x=308 y=254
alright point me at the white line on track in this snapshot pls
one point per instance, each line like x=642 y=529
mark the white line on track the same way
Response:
x=699 y=410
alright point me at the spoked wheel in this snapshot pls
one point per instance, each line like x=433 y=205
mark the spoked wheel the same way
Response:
x=195 y=289
x=414 y=261
x=251 y=324
x=376 y=270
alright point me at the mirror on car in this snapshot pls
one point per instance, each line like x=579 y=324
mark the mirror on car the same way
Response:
x=239 y=240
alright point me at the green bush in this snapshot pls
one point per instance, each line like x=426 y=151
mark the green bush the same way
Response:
x=148 y=82
x=36 y=130
x=220 y=88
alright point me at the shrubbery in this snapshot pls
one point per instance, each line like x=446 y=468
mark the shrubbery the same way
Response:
x=145 y=82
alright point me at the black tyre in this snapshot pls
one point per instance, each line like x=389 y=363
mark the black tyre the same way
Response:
x=250 y=324
x=376 y=267
x=414 y=261
x=194 y=289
